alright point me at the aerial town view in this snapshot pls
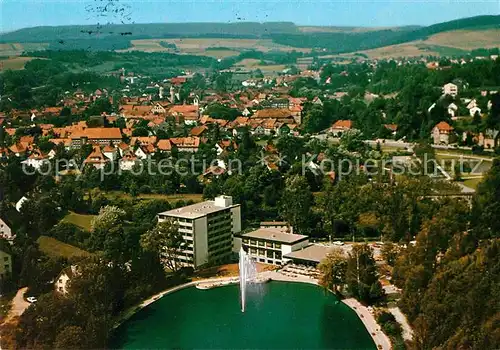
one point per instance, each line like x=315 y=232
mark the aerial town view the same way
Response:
x=251 y=174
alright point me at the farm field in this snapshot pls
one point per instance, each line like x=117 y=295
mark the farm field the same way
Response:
x=206 y=46
x=55 y=248
x=446 y=43
x=467 y=39
x=169 y=197
x=252 y=64
x=14 y=63
x=80 y=220
x=16 y=49
x=473 y=182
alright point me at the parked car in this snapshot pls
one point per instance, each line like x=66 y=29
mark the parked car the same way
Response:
x=338 y=243
x=31 y=299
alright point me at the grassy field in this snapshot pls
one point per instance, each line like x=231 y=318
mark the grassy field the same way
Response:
x=80 y=220
x=16 y=49
x=472 y=183
x=467 y=39
x=205 y=46
x=14 y=63
x=252 y=64
x=169 y=197
x=55 y=248
x=447 y=43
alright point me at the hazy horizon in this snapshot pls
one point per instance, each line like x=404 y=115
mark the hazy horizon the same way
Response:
x=347 y=13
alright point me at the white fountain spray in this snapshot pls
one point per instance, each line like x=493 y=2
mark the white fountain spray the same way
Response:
x=248 y=274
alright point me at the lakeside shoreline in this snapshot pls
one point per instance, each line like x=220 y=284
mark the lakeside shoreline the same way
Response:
x=380 y=339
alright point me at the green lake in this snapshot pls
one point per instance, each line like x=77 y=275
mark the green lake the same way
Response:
x=278 y=316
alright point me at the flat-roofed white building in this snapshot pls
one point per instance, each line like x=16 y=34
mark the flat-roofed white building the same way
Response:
x=208 y=228
x=310 y=255
x=270 y=245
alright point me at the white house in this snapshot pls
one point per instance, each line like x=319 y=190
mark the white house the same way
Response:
x=472 y=104
x=441 y=133
x=128 y=161
x=20 y=203
x=5 y=230
x=450 y=89
x=36 y=159
x=110 y=152
x=452 y=109
x=61 y=283
x=474 y=110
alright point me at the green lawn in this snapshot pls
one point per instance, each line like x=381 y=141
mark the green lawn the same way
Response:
x=55 y=248
x=196 y=197
x=472 y=183
x=83 y=221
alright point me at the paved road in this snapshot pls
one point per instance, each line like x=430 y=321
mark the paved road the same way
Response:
x=381 y=340
x=401 y=318
x=18 y=305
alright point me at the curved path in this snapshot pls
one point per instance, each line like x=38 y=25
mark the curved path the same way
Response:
x=19 y=305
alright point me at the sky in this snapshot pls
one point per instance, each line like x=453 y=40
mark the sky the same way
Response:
x=16 y=14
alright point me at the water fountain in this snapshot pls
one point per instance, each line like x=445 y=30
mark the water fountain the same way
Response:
x=248 y=274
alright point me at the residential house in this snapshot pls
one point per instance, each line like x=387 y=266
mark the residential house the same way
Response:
x=128 y=160
x=317 y=101
x=392 y=127
x=340 y=126
x=186 y=144
x=276 y=103
x=20 y=203
x=97 y=159
x=157 y=123
x=143 y=140
x=101 y=136
x=110 y=152
x=5 y=153
x=198 y=130
x=165 y=146
x=441 y=133
x=18 y=149
x=225 y=145
x=487 y=139
x=36 y=159
x=61 y=284
x=160 y=107
x=212 y=172
x=123 y=148
x=65 y=142
x=145 y=151
x=450 y=89
x=452 y=109
x=188 y=114
x=135 y=111
x=281 y=114
x=475 y=110
x=5 y=230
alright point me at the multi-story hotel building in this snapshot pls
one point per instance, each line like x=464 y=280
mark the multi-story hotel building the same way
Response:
x=270 y=245
x=207 y=229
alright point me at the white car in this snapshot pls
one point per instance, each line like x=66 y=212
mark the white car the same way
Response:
x=338 y=243
x=31 y=299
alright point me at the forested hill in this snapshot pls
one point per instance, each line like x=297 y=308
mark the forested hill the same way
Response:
x=348 y=42
x=150 y=30
x=113 y=37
